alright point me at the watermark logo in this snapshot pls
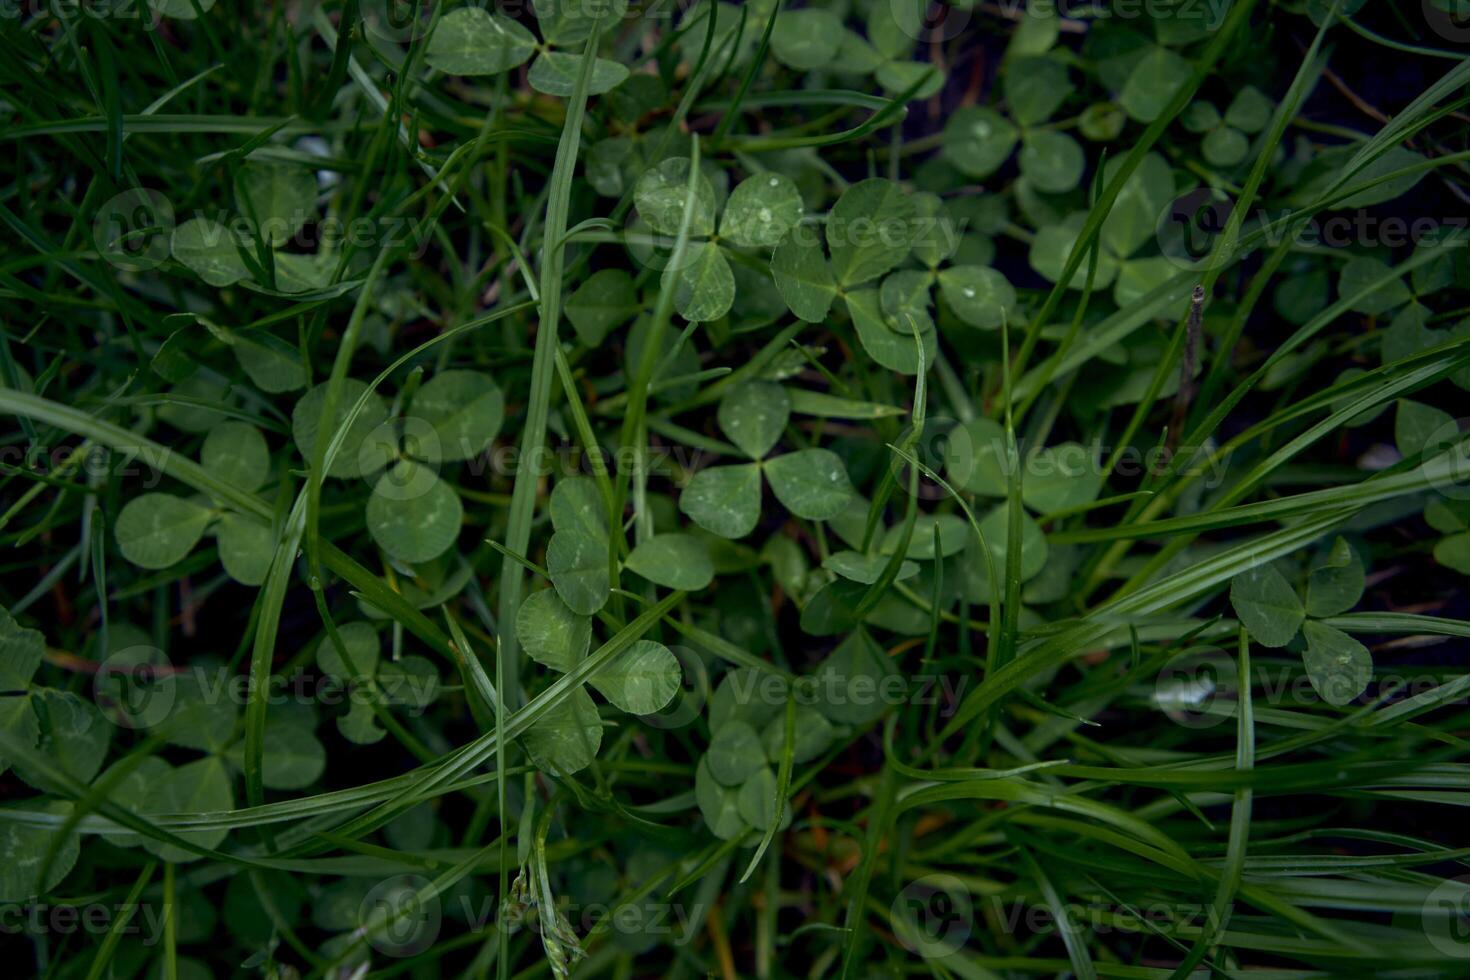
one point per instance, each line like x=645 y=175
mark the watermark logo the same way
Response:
x=133 y=229
x=397 y=21
x=656 y=250
x=135 y=687
x=1199 y=688
x=930 y=20
x=973 y=456
x=1450 y=19
x=138 y=688
x=406 y=438
x=1191 y=224
x=1446 y=464
x=94 y=462
x=673 y=462
x=1099 y=918
x=1446 y=917
x=831 y=688
x=400 y=916
x=148 y=13
x=943 y=446
x=688 y=703
x=143 y=922
x=933 y=916
x=674 y=922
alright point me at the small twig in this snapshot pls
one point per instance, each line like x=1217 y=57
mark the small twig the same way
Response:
x=1187 y=387
x=1014 y=11
x=936 y=57
x=1362 y=104
x=1366 y=107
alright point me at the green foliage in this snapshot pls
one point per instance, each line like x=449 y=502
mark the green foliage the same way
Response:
x=788 y=471
x=1267 y=605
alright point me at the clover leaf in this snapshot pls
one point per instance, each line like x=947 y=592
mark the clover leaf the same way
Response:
x=1336 y=583
x=551 y=633
x=719 y=804
x=725 y=500
x=156 y=530
x=1267 y=605
x=360 y=641
x=1133 y=222
x=607 y=299
x=275 y=198
x=474 y=41
x=642 y=679
x=1152 y=83
x=236 y=453
x=210 y=250
x=21 y=651
x=870 y=231
x=884 y=53
x=978 y=140
x=807 y=38
x=576 y=555
x=565 y=739
x=306 y=423
x=246 y=547
x=759 y=213
x=675 y=561
x=1338 y=666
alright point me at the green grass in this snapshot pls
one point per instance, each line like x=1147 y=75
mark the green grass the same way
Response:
x=761 y=490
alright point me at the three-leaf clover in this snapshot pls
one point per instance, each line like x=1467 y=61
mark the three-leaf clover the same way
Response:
x=157 y=530
x=275 y=200
x=1227 y=138
x=1053 y=478
x=811 y=38
x=474 y=41
x=640 y=680
x=577 y=554
x=1132 y=224
x=68 y=730
x=413 y=514
x=735 y=782
x=726 y=500
x=1422 y=430
x=1272 y=613
x=411 y=681
x=759 y=213
x=978 y=140
x=978 y=295
x=187 y=709
x=869 y=232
